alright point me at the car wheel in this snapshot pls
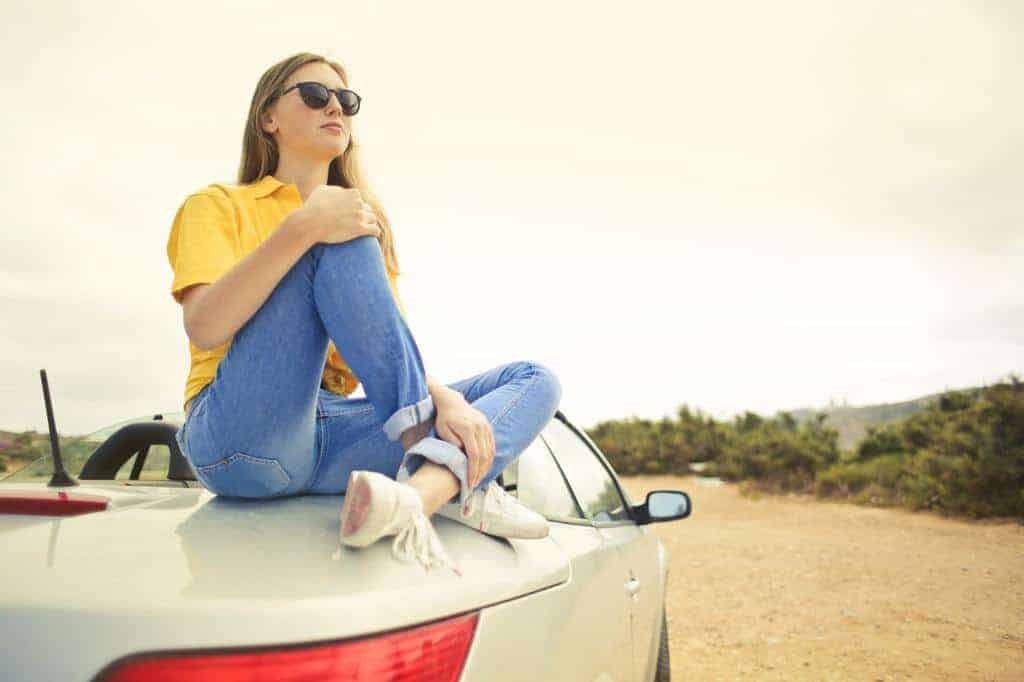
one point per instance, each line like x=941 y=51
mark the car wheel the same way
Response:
x=664 y=670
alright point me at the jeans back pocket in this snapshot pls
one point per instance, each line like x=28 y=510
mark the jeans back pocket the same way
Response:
x=244 y=475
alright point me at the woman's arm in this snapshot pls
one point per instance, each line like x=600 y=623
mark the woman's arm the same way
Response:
x=440 y=392
x=466 y=427
x=214 y=312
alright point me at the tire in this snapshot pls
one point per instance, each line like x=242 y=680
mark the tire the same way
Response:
x=664 y=671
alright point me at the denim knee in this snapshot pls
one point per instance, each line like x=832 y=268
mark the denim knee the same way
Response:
x=367 y=242
x=547 y=378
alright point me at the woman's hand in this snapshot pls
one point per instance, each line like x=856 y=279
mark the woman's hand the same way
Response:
x=461 y=424
x=338 y=214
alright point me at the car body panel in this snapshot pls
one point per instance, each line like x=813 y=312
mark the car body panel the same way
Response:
x=643 y=551
x=170 y=567
x=178 y=567
x=647 y=562
x=654 y=646
x=567 y=632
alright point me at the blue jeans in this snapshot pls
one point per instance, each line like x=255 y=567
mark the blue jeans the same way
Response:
x=264 y=428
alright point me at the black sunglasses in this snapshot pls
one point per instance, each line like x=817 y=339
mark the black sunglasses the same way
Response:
x=317 y=95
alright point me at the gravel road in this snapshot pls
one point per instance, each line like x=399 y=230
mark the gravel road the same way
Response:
x=791 y=587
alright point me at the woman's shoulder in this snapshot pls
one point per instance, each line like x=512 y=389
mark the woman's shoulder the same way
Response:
x=224 y=196
x=217 y=191
x=221 y=190
x=213 y=201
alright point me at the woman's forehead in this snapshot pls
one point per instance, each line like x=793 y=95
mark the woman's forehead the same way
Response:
x=316 y=72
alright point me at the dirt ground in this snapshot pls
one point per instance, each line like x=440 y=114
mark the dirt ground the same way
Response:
x=791 y=587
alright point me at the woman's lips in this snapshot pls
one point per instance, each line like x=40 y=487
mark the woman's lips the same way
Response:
x=334 y=129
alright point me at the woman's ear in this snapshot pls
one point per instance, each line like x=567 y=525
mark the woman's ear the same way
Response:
x=267 y=122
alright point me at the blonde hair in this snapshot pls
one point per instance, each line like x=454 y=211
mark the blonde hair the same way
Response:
x=260 y=154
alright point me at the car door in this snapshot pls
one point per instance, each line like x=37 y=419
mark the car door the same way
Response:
x=600 y=613
x=642 y=554
x=607 y=506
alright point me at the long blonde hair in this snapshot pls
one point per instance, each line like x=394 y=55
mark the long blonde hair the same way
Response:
x=260 y=154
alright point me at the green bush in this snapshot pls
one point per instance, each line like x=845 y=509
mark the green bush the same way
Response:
x=851 y=478
x=963 y=455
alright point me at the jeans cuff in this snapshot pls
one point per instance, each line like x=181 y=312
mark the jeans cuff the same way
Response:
x=444 y=453
x=409 y=416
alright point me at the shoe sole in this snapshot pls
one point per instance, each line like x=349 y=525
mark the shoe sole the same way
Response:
x=356 y=507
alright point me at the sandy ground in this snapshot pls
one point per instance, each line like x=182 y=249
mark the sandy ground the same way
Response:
x=790 y=587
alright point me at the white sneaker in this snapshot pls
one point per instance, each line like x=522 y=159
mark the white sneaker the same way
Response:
x=376 y=505
x=493 y=511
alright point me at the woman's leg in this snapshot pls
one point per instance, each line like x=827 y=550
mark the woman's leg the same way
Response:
x=519 y=399
x=252 y=431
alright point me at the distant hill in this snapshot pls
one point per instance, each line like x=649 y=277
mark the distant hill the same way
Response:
x=853 y=422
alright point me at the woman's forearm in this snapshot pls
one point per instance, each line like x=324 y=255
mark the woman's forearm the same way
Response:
x=228 y=303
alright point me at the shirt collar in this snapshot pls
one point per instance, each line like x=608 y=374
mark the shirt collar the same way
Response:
x=266 y=185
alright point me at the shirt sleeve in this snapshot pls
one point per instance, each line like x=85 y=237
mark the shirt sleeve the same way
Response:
x=203 y=243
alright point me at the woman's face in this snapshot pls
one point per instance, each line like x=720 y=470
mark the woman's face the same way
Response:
x=298 y=129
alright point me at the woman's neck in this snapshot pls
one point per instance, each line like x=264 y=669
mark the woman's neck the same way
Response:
x=305 y=177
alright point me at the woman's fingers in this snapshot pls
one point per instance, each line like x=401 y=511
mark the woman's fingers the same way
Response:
x=489 y=430
x=477 y=437
x=486 y=448
x=487 y=455
x=479 y=456
x=465 y=431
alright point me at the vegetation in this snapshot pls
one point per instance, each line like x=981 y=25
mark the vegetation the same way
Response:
x=961 y=453
x=18 y=450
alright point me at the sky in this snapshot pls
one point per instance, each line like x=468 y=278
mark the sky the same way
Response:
x=733 y=206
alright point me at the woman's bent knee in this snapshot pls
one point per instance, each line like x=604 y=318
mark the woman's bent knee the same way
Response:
x=366 y=245
x=547 y=377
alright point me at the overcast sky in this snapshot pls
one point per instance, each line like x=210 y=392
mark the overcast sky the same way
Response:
x=732 y=205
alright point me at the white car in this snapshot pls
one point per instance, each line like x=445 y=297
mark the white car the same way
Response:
x=141 y=573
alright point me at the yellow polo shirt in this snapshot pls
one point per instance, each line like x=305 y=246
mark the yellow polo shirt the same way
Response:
x=219 y=225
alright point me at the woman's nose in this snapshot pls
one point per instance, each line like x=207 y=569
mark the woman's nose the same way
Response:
x=333 y=103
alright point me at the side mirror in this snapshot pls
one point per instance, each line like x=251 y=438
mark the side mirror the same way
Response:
x=664 y=505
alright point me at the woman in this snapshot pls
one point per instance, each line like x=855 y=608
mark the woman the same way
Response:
x=278 y=274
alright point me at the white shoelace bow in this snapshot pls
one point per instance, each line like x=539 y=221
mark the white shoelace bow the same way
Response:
x=419 y=541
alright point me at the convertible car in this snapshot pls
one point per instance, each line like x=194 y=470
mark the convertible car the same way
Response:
x=140 y=573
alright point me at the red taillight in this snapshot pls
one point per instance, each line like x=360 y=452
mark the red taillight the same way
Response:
x=434 y=653
x=50 y=502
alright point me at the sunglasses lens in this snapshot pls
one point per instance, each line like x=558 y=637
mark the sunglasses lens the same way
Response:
x=315 y=96
x=349 y=102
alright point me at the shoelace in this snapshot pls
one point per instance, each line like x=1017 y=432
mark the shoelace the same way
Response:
x=493 y=491
x=419 y=541
x=508 y=503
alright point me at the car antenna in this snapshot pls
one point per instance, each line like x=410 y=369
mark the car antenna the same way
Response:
x=60 y=477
